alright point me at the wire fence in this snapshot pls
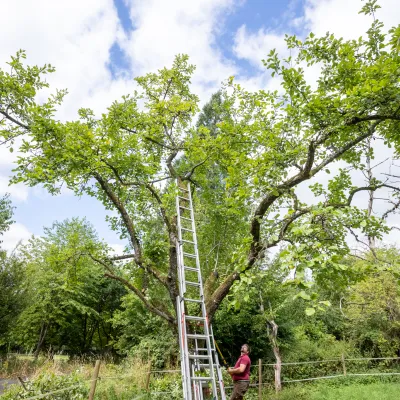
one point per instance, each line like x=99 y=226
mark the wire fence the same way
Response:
x=264 y=376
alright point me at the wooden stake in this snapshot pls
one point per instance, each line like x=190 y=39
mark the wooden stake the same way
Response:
x=259 y=379
x=94 y=380
x=22 y=383
x=344 y=365
x=148 y=376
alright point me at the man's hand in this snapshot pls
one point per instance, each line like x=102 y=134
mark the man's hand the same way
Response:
x=230 y=370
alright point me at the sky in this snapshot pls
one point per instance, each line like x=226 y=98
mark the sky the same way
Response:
x=99 y=46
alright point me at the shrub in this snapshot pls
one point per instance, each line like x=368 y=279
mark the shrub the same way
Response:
x=50 y=382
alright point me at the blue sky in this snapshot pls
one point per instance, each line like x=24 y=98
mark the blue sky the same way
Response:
x=98 y=46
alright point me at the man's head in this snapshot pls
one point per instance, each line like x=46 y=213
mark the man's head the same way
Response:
x=245 y=349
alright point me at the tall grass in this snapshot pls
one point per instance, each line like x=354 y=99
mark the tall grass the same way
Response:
x=116 y=381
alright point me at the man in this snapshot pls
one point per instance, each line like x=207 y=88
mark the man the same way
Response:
x=241 y=374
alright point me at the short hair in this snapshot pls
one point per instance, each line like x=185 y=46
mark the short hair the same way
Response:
x=247 y=346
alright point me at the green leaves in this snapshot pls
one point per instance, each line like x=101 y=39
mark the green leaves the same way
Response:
x=310 y=311
x=370 y=7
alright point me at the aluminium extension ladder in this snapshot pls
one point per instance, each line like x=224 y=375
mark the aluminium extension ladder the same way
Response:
x=201 y=371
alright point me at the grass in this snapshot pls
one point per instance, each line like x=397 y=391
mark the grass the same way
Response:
x=375 y=391
x=128 y=379
x=348 y=391
x=123 y=381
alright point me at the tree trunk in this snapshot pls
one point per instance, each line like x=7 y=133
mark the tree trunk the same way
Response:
x=42 y=336
x=371 y=239
x=272 y=334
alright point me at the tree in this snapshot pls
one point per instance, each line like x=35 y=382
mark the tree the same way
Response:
x=267 y=144
x=6 y=214
x=11 y=276
x=69 y=302
x=12 y=300
x=371 y=308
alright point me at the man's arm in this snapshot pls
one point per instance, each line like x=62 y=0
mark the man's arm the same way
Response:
x=237 y=371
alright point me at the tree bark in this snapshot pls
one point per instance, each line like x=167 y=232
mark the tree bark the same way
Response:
x=272 y=334
x=42 y=336
x=371 y=239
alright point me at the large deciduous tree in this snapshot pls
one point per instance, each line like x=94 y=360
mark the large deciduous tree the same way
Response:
x=248 y=166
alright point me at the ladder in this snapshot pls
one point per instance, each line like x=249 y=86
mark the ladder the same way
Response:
x=201 y=371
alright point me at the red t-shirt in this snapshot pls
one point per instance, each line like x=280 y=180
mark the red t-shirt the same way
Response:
x=244 y=359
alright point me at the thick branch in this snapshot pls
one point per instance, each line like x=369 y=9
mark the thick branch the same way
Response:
x=124 y=214
x=169 y=163
x=189 y=174
x=338 y=153
x=123 y=257
x=111 y=274
x=376 y=117
x=15 y=121
x=161 y=206
x=130 y=228
x=305 y=173
x=393 y=209
x=372 y=188
x=150 y=139
x=138 y=293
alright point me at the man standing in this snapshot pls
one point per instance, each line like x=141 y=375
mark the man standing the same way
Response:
x=241 y=374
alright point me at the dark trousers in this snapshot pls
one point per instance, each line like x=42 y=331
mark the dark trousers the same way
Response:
x=239 y=389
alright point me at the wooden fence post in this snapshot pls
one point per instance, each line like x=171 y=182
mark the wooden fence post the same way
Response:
x=148 y=376
x=22 y=383
x=94 y=380
x=344 y=365
x=259 y=379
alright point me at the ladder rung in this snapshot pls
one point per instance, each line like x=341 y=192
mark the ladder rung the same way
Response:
x=199 y=357
x=187 y=230
x=187 y=241
x=202 y=349
x=195 y=336
x=183 y=189
x=183 y=198
x=195 y=318
x=201 y=378
x=185 y=208
x=189 y=255
x=193 y=300
x=205 y=366
x=191 y=269
x=187 y=219
x=192 y=283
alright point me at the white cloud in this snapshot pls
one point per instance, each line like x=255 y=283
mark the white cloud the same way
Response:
x=76 y=38
x=166 y=28
x=255 y=46
x=17 y=233
x=18 y=192
x=341 y=17
x=118 y=249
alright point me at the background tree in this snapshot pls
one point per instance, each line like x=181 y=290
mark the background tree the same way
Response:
x=6 y=214
x=69 y=302
x=11 y=277
x=371 y=308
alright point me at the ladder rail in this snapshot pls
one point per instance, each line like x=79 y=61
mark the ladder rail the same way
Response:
x=204 y=356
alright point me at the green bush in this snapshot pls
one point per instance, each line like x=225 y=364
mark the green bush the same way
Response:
x=50 y=382
x=167 y=387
